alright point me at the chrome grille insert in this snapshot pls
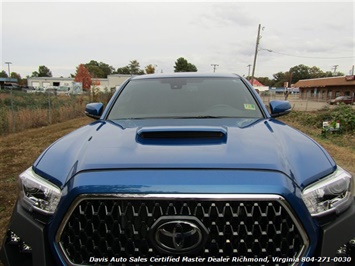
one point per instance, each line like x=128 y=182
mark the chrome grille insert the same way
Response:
x=106 y=226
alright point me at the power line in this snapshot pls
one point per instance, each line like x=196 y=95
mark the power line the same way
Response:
x=314 y=57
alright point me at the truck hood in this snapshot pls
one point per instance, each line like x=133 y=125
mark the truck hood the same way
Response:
x=248 y=144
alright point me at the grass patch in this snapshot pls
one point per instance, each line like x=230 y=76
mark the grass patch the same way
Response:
x=20 y=111
x=341 y=144
x=18 y=151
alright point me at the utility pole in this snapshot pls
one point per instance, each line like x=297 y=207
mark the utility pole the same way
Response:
x=256 y=54
x=214 y=67
x=335 y=68
x=249 y=69
x=8 y=67
x=290 y=72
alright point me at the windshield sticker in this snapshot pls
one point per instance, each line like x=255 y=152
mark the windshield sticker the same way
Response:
x=249 y=106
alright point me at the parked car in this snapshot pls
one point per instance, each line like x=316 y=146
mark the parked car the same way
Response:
x=50 y=90
x=183 y=168
x=11 y=86
x=28 y=89
x=342 y=99
x=63 y=90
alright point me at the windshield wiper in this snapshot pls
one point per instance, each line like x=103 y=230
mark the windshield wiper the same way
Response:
x=203 y=117
x=213 y=116
x=175 y=117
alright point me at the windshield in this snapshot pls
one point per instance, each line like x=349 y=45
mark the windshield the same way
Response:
x=185 y=98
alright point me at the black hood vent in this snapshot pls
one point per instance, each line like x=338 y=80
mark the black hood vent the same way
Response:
x=209 y=134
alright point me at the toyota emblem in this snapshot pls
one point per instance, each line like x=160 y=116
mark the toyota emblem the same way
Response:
x=179 y=235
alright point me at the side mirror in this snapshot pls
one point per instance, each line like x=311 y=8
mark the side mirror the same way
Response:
x=94 y=110
x=279 y=108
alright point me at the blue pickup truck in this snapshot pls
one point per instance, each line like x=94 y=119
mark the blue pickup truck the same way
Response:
x=182 y=169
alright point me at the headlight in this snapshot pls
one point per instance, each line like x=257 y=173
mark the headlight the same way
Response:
x=332 y=194
x=37 y=193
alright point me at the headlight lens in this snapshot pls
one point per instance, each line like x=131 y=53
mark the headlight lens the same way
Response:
x=332 y=194
x=37 y=193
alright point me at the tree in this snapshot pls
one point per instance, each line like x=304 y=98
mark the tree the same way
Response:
x=14 y=75
x=330 y=74
x=337 y=74
x=297 y=73
x=182 y=65
x=150 y=69
x=43 y=71
x=95 y=71
x=316 y=72
x=134 y=68
x=300 y=72
x=264 y=80
x=123 y=70
x=131 y=69
x=279 y=79
x=99 y=70
x=21 y=81
x=82 y=75
x=3 y=74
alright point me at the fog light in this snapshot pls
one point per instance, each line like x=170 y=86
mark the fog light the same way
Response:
x=21 y=245
x=26 y=248
x=14 y=239
x=342 y=251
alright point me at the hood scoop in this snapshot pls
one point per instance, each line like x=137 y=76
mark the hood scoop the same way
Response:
x=203 y=135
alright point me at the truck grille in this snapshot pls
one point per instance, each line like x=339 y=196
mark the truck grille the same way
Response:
x=179 y=226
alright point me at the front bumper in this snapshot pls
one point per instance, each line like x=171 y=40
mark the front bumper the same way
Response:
x=29 y=247
x=333 y=242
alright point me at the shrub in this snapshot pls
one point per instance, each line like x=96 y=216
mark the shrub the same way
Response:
x=344 y=114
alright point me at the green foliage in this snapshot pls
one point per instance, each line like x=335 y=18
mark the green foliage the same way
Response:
x=342 y=114
x=3 y=74
x=263 y=80
x=345 y=114
x=182 y=65
x=131 y=69
x=279 y=79
x=300 y=72
x=43 y=71
x=134 y=68
x=15 y=76
x=99 y=70
x=123 y=70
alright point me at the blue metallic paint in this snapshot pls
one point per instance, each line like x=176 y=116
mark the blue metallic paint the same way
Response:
x=185 y=181
x=263 y=145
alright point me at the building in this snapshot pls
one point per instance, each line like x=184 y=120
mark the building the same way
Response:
x=111 y=82
x=327 y=88
x=4 y=81
x=258 y=85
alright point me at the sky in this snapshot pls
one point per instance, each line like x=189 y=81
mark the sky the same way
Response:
x=63 y=34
